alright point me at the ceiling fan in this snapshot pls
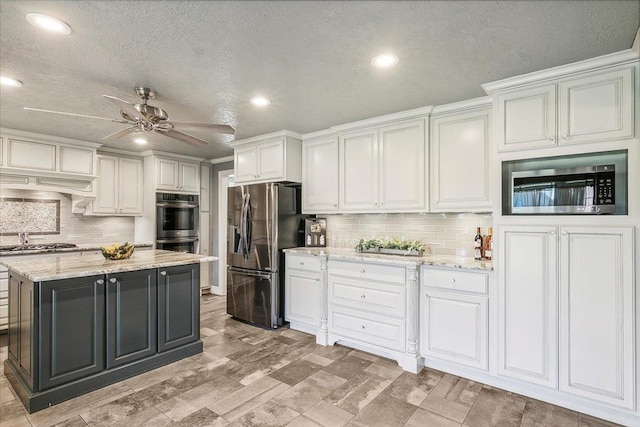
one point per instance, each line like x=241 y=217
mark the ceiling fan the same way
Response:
x=147 y=118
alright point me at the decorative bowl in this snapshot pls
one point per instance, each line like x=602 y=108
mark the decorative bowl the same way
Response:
x=117 y=251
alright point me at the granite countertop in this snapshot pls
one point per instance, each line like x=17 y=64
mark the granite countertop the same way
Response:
x=61 y=267
x=450 y=261
x=79 y=248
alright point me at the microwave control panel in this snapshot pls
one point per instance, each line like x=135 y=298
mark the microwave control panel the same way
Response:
x=605 y=188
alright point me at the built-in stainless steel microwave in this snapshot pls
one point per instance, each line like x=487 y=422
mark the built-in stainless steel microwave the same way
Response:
x=579 y=190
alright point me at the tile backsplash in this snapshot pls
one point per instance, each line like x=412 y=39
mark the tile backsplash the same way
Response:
x=445 y=234
x=74 y=228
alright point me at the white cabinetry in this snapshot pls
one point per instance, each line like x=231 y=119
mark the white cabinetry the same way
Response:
x=596 y=313
x=593 y=276
x=320 y=176
x=594 y=106
x=268 y=158
x=460 y=157
x=454 y=310
x=374 y=307
x=4 y=298
x=206 y=268
x=177 y=175
x=383 y=168
x=119 y=186
x=305 y=294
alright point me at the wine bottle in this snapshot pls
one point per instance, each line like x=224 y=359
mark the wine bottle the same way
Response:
x=477 y=245
x=487 y=244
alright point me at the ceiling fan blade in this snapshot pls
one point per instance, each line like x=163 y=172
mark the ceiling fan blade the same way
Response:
x=216 y=128
x=121 y=133
x=184 y=137
x=126 y=107
x=74 y=115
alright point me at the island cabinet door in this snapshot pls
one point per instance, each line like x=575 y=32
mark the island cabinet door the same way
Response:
x=71 y=324
x=178 y=306
x=131 y=316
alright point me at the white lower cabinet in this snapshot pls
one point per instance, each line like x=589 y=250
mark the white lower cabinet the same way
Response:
x=305 y=294
x=454 y=324
x=374 y=307
x=583 y=273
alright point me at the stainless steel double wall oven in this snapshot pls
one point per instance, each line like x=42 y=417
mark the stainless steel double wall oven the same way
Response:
x=177 y=222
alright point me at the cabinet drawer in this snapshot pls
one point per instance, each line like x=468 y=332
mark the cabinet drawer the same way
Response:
x=455 y=280
x=306 y=263
x=376 y=297
x=368 y=328
x=365 y=271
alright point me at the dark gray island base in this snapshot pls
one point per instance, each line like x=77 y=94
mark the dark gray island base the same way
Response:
x=74 y=335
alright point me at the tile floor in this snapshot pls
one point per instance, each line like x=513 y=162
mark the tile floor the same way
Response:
x=254 y=377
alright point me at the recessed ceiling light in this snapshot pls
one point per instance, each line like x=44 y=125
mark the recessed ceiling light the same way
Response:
x=8 y=81
x=385 y=60
x=48 y=23
x=140 y=141
x=260 y=101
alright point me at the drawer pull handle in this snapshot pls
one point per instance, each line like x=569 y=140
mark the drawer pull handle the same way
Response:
x=362 y=271
x=363 y=296
x=362 y=326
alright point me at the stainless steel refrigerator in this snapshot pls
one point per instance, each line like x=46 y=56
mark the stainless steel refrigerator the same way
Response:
x=262 y=220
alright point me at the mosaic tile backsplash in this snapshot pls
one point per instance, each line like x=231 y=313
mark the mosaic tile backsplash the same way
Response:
x=74 y=228
x=445 y=234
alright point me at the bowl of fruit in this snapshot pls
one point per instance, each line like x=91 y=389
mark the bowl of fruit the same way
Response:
x=117 y=251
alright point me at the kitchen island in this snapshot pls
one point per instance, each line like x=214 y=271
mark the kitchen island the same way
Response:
x=80 y=323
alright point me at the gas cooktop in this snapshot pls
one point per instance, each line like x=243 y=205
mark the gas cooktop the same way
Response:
x=36 y=246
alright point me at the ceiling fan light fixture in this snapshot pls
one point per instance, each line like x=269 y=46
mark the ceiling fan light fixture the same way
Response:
x=140 y=141
x=385 y=60
x=8 y=81
x=48 y=23
x=260 y=101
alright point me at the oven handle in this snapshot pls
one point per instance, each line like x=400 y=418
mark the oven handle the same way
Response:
x=178 y=240
x=177 y=205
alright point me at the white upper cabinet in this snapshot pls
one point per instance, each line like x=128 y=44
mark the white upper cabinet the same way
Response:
x=119 y=187
x=205 y=188
x=268 y=158
x=320 y=176
x=591 y=107
x=383 y=168
x=459 y=160
x=177 y=175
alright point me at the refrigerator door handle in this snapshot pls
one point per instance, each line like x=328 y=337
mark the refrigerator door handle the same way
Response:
x=252 y=273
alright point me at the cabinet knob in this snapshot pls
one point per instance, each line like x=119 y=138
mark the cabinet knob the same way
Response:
x=552 y=232
x=564 y=233
x=317 y=280
x=363 y=296
x=565 y=136
x=453 y=280
x=362 y=271
x=301 y=263
x=113 y=280
x=335 y=205
x=551 y=138
x=362 y=326
x=100 y=281
x=163 y=273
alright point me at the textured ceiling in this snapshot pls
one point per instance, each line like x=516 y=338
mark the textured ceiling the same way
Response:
x=312 y=59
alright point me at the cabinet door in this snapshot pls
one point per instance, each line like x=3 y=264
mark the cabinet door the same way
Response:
x=71 y=324
x=107 y=186
x=245 y=164
x=205 y=188
x=454 y=327
x=302 y=297
x=131 y=316
x=597 y=107
x=596 y=313
x=528 y=304
x=190 y=177
x=130 y=186
x=178 y=306
x=402 y=166
x=359 y=171
x=21 y=339
x=526 y=118
x=320 y=176
x=271 y=160
x=168 y=178
x=460 y=182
